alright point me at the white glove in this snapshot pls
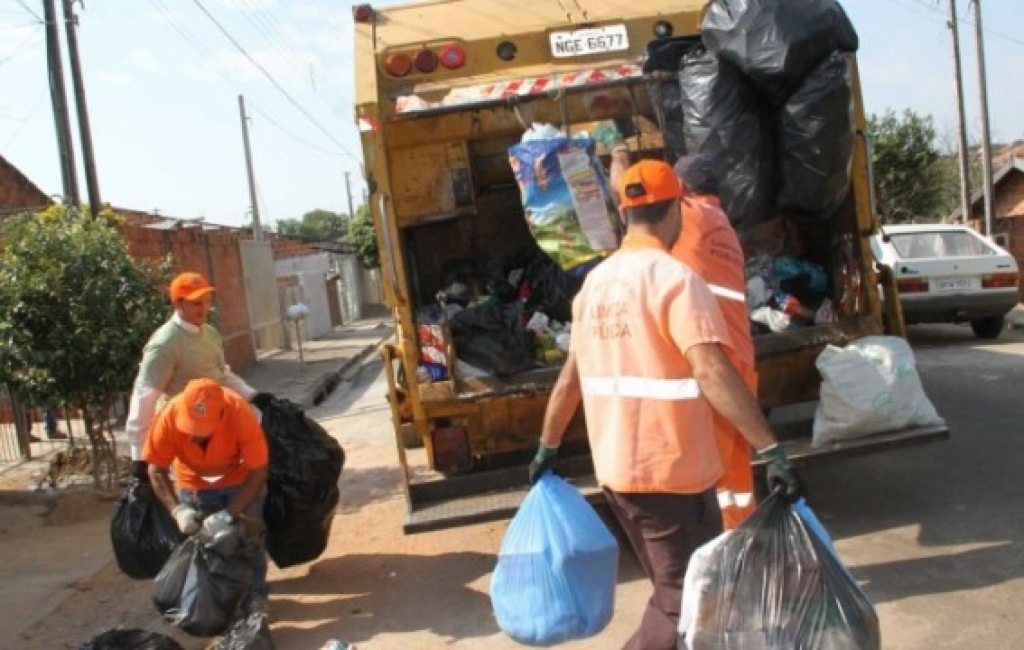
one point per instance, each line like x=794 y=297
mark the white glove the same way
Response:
x=188 y=518
x=218 y=524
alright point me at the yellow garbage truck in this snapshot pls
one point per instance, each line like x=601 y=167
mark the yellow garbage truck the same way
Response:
x=444 y=90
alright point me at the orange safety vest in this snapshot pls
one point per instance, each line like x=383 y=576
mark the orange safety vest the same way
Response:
x=650 y=427
x=708 y=244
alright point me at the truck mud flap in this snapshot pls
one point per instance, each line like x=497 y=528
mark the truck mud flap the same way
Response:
x=485 y=496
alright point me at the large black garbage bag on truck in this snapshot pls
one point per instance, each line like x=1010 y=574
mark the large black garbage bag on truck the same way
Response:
x=815 y=144
x=664 y=56
x=776 y=43
x=142 y=532
x=201 y=587
x=725 y=121
x=490 y=337
x=302 y=490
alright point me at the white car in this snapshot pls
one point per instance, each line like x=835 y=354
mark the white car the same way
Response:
x=949 y=274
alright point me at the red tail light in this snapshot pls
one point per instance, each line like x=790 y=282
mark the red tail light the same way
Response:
x=425 y=61
x=362 y=13
x=912 y=285
x=452 y=56
x=999 y=281
x=398 y=65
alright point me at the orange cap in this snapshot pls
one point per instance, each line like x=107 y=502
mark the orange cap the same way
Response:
x=190 y=286
x=647 y=182
x=201 y=407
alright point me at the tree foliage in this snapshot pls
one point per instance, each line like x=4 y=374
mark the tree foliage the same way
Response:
x=315 y=225
x=75 y=313
x=911 y=180
x=362 y=235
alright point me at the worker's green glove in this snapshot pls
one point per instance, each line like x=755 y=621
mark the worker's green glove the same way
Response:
x=780 y=474
x=546 y=459
x=608 y=134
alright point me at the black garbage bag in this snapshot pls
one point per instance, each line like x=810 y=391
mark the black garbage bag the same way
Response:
x=664 y=56
x=815 y=143
x=490 y=337
x=201 y=587
x=249 y=633
x=302 y=490
x=142 y=531
x=775 y=582
x=776 y=43
x=130 y=639
x=550 y=288
x=725 y=120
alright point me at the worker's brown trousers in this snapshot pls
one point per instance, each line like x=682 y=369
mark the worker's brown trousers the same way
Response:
x=665 y=530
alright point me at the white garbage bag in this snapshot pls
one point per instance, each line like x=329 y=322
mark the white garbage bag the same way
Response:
x=868 y=387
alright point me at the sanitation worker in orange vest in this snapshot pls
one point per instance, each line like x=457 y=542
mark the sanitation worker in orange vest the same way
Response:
x=708 y=245
x=646 y=361
x=220 y=457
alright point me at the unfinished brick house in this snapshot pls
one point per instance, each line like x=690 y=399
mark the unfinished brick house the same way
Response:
x=1008 y=211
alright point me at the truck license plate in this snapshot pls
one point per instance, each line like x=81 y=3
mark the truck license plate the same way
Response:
x=955 y=284
x=594 y=40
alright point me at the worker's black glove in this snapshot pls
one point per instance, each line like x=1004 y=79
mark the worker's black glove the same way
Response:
x=780 y=474
x=546 y=459
x=140 y=470
x=262 y=400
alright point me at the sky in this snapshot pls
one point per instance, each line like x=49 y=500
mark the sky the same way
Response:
x=162 y=83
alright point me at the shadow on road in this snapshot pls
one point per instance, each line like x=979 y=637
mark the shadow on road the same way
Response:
x=358 y=597
x=959 y=494
x=362 y=487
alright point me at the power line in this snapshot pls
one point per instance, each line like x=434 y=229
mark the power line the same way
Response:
x=30 y=10
x=272 y=80
x=935 y=9
x=206 y=53
x=23 y=50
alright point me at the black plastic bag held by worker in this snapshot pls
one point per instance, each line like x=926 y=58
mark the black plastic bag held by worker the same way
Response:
x=130 y=639
x=776 y=43
x=302 y=490
x=249 y=633
x=202 y=586
x=774 y=582
x=142 y=532
x=725 y=121
x=816 y=134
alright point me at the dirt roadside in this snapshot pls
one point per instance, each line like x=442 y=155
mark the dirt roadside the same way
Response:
x=373 y=587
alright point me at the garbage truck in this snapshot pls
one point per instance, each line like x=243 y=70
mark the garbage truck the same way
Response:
x=445 y=90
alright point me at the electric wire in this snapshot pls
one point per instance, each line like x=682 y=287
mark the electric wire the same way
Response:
x=936 y=9
x=252 y=104
x=19 y=50
x=30 y=10
x=274 y=81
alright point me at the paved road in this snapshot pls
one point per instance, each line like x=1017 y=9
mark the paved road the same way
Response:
x=933 y=533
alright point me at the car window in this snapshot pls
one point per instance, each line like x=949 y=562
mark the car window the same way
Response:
x=918 y=245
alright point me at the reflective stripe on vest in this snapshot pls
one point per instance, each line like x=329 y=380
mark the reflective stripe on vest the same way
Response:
x=727 y=293
x=730 y=499
x=642 y=387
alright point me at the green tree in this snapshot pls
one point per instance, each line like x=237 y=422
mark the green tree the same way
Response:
x=315 y=225
x=75 y=313
x=362 y=235
x=912 y=182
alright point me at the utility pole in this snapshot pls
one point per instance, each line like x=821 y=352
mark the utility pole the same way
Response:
x=961 y=120
x=59 y=99
x=986 y=141
x=257 y=235
x=84 y=132
x=348 y=194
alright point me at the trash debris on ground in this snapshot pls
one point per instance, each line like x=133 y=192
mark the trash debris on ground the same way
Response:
x=130 y=639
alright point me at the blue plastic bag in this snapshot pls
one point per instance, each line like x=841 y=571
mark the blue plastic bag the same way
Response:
x=557 y=568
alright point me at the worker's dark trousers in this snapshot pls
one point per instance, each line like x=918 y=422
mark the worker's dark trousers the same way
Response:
x=665 y=530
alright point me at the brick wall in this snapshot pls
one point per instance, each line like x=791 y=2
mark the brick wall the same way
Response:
x=17 y=191
x=214 y=254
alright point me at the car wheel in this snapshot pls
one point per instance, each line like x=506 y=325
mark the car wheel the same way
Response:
x=988 y=328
